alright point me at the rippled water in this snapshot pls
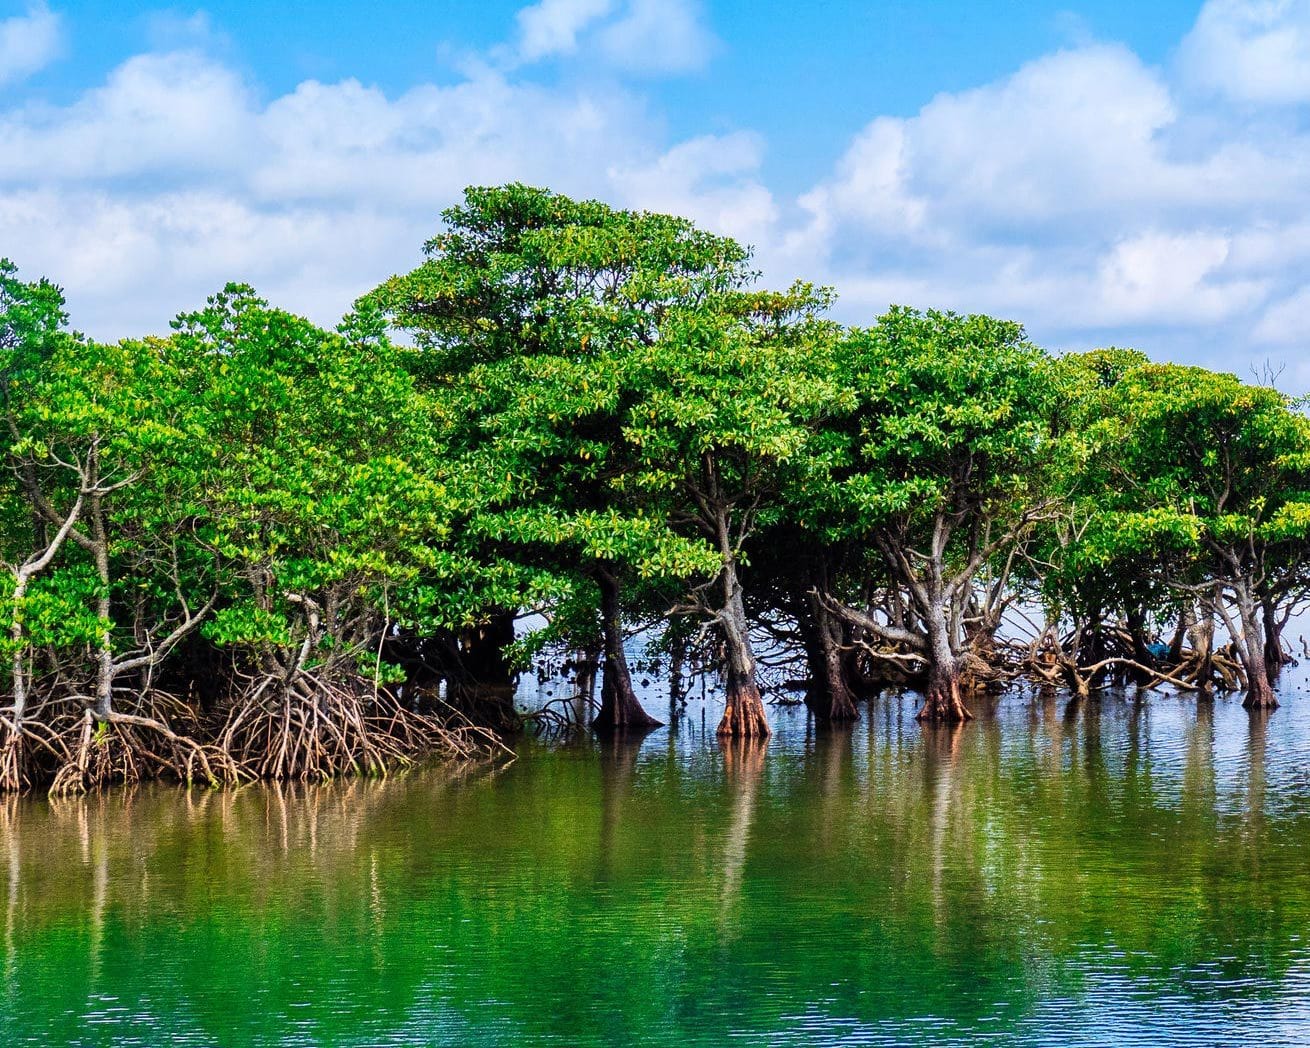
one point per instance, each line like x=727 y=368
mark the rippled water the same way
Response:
x=1131 y=872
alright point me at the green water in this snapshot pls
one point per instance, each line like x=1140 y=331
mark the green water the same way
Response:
x=1128 y=873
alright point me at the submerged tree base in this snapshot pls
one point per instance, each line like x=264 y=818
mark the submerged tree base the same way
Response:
x=832 y=706
x=942 y=704
x=620 y=719
x=621 y=712
x=488 y=705
x=1259 y=695
x=743 y=716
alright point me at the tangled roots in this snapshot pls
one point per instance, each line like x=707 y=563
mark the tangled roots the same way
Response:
x=309 y=729
x=312 y=728
x=27 y=752
x=130 y=748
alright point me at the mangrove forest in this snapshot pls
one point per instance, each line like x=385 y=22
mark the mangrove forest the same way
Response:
x=258 y=548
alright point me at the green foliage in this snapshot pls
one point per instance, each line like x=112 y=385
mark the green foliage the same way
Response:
x=954 y=417
x=32 y=317
x=934 y=476
x=519 y=271
x=535 y=317
x=319 y=467
x=741 y=381
x=1180 y=458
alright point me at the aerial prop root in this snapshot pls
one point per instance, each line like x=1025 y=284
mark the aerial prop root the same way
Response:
x=312 y=727
x=28 y=749
x=131 y=747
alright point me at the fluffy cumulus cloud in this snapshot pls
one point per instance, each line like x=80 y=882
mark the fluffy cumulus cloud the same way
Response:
x=658 y=36
x=712 y=178
x=1254 y=51
x=28 y=43
x=637 y=36
x=552 y=27
x=174 y=176
x=1095 y=197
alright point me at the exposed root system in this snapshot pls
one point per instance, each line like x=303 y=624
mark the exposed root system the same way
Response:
x=313 y=728
x=310 y=729
x=126 y=748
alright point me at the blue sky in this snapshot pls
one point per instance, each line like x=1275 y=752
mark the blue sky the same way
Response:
x=1106 y=173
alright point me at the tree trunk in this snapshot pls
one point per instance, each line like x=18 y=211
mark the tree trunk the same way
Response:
x=1136 y=619
x=585 y=668
x=586 y=661
x=1259 y=692
x=19 y=665
x=104 y=700
x=942 y=702
x=1091 y=645
x=1259 y=689
x=1186 y=619
x=1273 y=640
x=829 y=697
x=1203 y=647
x=13 y=751
x=677 y=663
x=23 y=576
x=743 y=714
x=620 y=712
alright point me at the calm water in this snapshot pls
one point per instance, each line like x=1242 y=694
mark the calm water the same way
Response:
x=1129 y=873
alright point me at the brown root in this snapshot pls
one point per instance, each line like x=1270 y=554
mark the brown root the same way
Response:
x=1259 y=692
x=126 y=748
x=316 y=729
x=942 y=702
x=743 y=716
x=27 y=751
x=310 y=729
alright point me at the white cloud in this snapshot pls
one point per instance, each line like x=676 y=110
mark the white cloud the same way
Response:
x=1088 y=194
x=173 y=176
x=170 y=115
x=634 y=36
x=345 y=142
x=29 y=42
x=711 y=179
x=1071 y=134
x=1287 y=322
x=1171 y=278
x=129 y=264
x=552 y=27
x=1255 y=51
x=658 y=36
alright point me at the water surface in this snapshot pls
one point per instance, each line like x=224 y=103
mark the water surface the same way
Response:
x=1127 y=872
